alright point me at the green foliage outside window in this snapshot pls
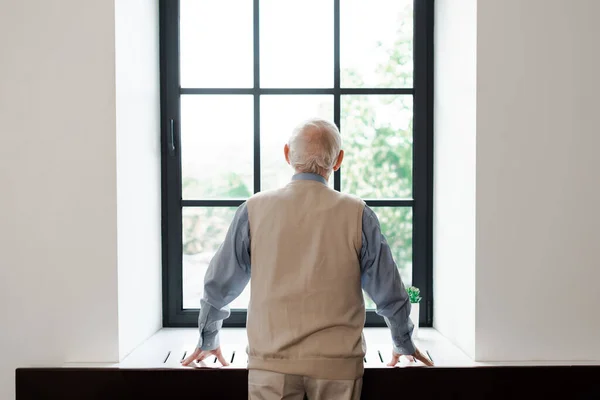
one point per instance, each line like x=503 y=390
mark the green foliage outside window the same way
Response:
x=378 y=161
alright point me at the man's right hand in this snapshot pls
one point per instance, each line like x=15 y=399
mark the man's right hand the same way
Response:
x=200 y=355
x=418 y=356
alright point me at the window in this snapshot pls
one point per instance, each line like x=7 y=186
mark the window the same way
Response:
x=237 y=76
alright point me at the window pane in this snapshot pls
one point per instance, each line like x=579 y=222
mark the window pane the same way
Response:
x=216 y=146
x=279 y=116
x=216 y=45
x=396 y=226
x=296 y=43
x=377 y=140
x=376 y=43
x=204 y=230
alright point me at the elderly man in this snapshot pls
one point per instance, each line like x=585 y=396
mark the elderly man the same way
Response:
x=309 y=251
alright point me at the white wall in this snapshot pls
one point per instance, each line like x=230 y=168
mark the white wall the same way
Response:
x=77 y=284
x=138 y=171
x=538 y=191
x=454 y=171
x=58 y=247
x=534 y=124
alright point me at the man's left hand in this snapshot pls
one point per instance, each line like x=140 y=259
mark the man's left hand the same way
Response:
x=200 y=355
x=416 y=356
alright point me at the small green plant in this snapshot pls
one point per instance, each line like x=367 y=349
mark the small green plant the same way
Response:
x=414 y=294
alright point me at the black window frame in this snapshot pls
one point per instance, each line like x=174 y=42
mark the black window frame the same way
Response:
x=174 y=315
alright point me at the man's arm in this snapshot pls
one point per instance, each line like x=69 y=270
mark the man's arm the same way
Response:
x=381 y=281
x=227 y=275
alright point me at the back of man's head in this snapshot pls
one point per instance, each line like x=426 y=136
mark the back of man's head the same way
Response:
x=315 y=147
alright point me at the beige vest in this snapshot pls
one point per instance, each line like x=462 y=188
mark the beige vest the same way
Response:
x=306 y=312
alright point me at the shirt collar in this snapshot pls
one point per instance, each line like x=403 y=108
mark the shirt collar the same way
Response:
x=309 y=177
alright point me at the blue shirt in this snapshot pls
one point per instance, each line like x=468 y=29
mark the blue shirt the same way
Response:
x=229 y=273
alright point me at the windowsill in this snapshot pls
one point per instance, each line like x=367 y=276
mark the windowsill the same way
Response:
x=167 y=348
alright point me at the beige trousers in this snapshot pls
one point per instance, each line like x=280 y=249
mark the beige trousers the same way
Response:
x=266 y=385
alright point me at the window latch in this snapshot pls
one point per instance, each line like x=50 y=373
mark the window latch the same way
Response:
x=171 y=144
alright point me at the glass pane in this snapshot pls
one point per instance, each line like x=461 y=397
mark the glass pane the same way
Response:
x=279 y=116
x=377 y=140
x=296 y=43
x=216 y=45
x=376 y=43
x=204 y=230
x=396 y=226
x=213 y=127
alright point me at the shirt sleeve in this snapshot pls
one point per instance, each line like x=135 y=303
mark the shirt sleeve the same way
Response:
x=381 y=280
x=227 y=275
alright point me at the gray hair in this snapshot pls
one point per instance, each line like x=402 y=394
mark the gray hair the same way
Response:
x=315 y=146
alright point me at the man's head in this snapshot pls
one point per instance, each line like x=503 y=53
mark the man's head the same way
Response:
x=315 y=147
